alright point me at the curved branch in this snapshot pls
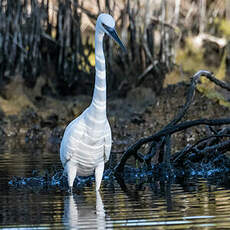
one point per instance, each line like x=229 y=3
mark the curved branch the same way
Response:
x=166 y=131
x=177 y=156
x=171 y=128
x=191 y=91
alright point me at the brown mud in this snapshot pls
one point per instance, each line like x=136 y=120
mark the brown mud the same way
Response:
x=35 y=117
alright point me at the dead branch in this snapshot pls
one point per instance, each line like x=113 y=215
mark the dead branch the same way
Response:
x=199 y=146
x=161 y=139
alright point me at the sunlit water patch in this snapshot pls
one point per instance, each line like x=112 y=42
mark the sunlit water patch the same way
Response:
x=184 y=204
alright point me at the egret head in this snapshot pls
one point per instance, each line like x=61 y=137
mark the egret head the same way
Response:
x=106 y=24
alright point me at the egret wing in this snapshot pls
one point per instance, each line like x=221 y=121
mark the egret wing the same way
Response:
x=108 y=142
x=66 y=149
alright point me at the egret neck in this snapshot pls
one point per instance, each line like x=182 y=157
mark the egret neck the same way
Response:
x=97 y=108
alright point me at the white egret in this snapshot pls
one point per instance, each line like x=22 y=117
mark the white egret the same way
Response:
x=87 y=140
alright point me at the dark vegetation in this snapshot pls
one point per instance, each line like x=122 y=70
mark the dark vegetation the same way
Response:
x=46 y=38
x=29 y=48
x=36 y=39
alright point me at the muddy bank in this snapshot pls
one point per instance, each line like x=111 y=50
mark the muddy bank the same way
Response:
x=35 y=117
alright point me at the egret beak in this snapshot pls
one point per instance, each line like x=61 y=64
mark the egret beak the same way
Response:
x=113 y=34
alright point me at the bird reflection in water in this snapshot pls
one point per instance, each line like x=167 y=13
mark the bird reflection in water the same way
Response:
x=84 y=214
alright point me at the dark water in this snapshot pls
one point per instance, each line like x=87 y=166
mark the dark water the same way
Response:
x=196 y=204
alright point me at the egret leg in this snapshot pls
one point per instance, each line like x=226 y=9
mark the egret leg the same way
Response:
x=99 y=174
x=71 y=172
x=99 y=205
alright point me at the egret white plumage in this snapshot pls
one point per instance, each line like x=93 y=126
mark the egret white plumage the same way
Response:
x=87 y=140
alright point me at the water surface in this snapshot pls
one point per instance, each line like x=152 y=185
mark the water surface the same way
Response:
x=195 y=204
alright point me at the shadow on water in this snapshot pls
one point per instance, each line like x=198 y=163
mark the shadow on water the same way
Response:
x=33 y=195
